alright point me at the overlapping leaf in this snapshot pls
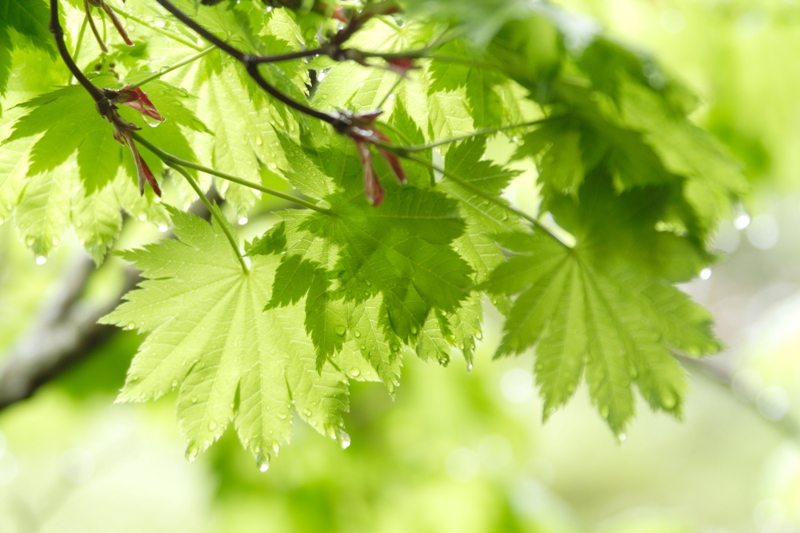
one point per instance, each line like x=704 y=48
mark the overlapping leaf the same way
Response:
x=211 y=339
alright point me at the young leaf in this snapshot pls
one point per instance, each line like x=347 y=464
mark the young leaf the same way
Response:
x=211 y=338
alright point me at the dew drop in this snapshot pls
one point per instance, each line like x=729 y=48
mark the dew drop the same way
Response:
x=282 y=416
x=275 y=448
x=479 y=335
x=262 y=460
x=162 y=228
x=29 y=241
x=259 y=141
x=514 y=139
x=307 y=412
x=622 y=437
x=142 y=217
x=41 y=260
x=339 y=330
x=363 y=346
x=212 y=426
x=469 y=367
x=191 y=452
x=159 y=24
x=314 y=423
x=344 y=439
x=174 y=383
x=355 y=372
x=414 y=330
x=194 y=399
x=357 y=334
x=369 y=283
x=78 y=224
x=55 y=241
x=242 y=221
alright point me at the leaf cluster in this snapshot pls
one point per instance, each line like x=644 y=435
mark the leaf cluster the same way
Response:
x=629 y=192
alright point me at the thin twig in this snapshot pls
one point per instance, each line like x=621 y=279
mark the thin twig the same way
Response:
x=171 y=159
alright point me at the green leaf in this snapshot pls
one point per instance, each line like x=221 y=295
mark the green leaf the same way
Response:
x=613 y=324
x=28 y=19
x=79 y=128
x=211 y=338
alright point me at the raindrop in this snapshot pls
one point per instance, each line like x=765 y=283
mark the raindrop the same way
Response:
x=212 y=426
x=162 y=228
x=414 y=330
x=78 y=224
x=159 y=24
x=194 y=399
x=479 y=335
x=357 y=334
x=514 y=139
x=705 y=273
x=29 y=241
x=742 y=221
x=55 y=241
x=41 y=260
x=622 y=437
x=344 y=439
x=259 y=141
x=142 y=217
x=191 y=452
x=339 y=330
x=355 y=372
x=469 y=367
x=174 y=383
x=307 y=412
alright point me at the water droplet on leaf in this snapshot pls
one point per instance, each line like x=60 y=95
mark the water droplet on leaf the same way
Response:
x=41 y=260
x=344 y=439
x=340 y=330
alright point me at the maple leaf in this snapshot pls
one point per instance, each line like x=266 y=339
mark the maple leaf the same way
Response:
x=211 y=339
x=606 y=307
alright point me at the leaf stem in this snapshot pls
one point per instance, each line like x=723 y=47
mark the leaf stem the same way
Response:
x=162 y=31
x=214 y=213
x=58 y=35
x=477 y=133
x=483 y=194
x=176 y=66
x=173 y=160
x=77 y=51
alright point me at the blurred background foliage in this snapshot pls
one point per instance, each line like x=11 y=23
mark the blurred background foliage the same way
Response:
x=466 y=452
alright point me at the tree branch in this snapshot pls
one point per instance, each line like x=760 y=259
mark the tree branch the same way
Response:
x=64 y=334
